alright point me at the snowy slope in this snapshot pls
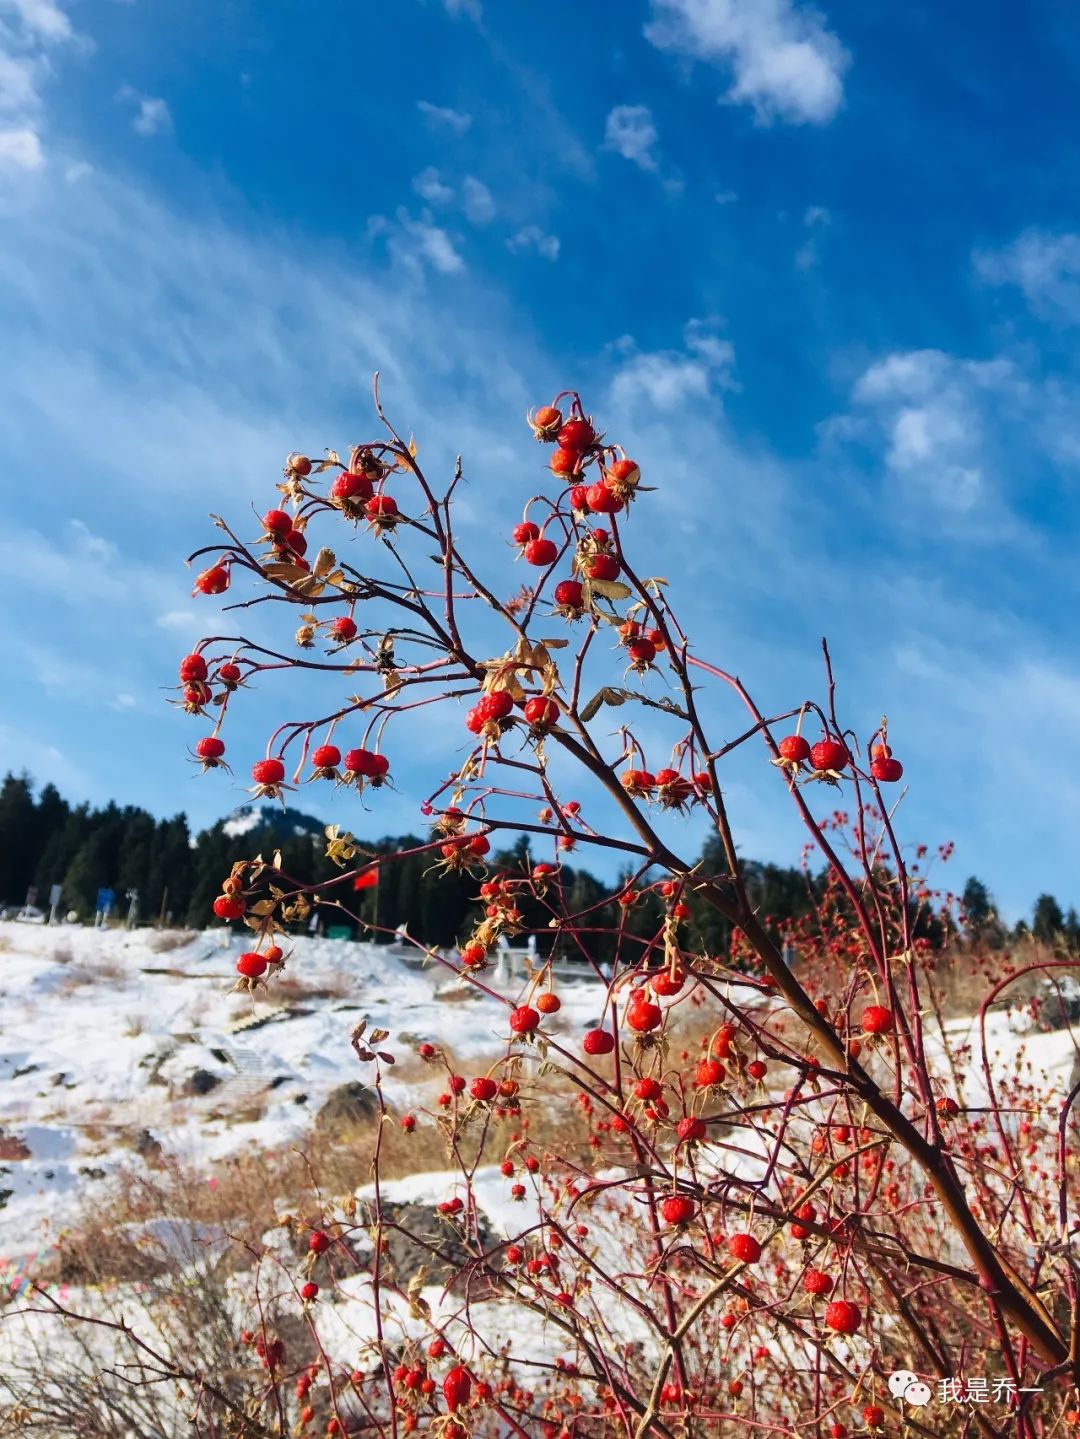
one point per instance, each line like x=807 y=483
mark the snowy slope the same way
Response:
x=102 y=1035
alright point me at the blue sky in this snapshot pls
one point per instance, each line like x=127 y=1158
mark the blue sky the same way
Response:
x=818 y=268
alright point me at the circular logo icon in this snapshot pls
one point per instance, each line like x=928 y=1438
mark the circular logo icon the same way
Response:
x=918 y=1394
x=901 y=1382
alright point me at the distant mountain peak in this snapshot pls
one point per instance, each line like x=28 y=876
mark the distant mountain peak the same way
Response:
x=283 y=823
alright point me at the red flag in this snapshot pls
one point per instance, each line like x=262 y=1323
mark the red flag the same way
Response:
x=366 y=879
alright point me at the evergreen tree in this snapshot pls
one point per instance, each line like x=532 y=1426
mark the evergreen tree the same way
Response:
x=1047 y=922
x=17 y=835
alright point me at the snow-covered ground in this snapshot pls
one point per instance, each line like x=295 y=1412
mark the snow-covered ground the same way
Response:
x=106 y=1034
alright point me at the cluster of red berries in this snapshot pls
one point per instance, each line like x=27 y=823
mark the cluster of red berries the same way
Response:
x=831 y=756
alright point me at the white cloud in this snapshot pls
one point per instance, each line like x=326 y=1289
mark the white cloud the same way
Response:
x=21 y=149
x=726 y=197
x=430 y=187
x=783 y=60
x=668 y=379
x=477 y=201
x=1045 y=268
x=443 y=118
x=152 y=116
x=419 y=245
x=20 y=77
x=470 y=9
x=816 y=219
x=123 y=701
x=185 y=621
x=631 y=132
x=42 y=18
x=935 y=415
x=532 y=240
x=28 y=31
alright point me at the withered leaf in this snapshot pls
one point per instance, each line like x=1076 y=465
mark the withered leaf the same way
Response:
x=324 y=562
x=610 y=589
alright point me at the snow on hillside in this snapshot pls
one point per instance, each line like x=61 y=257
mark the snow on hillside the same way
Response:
x=108 y=1036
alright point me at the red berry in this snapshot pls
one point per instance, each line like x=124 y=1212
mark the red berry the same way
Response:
x=277 y=522
x=251 y=965
x=794 y=748
x=708 y=1073
x=524 y=1019
x=876 y=1019
x=637 y=781
x=815 y=1281
x=541 y=552
x=494 y=706
x=457 y=1387
x=229 y=906
x=545 y=422
x=343 y=628
x=757 y=1069
x=366 y=763
x=886 y=770
x=843 y=1316
x=382 y=509
x=267 y=771
x=295 y=541
x=677 y=1209
x=579 y=498
x=229 y=674
x=192 y=669
x=299 y=464
x=570 y=595
x=319 y=1242
x=690 y=1129
x=601 y=500
x=577 y=435
x=210 y=748
x=744 y=1247
x=625 y=473
x=643 y=652
x=598 y=1041
x=526 y=531
x=548 y=1003
x=604 y=567
x=350 y=486
x=483 y=1088
x=873 y=1416
x=214 y=581
x=309 y=1291
x=564 y=461
x=327 y=756
x=643 y=1015
x=830 y=754
x=541 y=712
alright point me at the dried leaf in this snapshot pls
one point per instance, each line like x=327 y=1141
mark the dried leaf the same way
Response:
x=378 y=1035
x=611 y=589
x=264 y=906
x=324 y=562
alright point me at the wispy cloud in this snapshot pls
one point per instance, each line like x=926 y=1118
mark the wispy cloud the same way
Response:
x=532 y=240
x=21 y=149
x=477 y=201
x=935 y=416
x=668 y=379
x=1044 y=267
x=783 y=59
x=442 y=117
x=430 y=187
x=29 y=32
x=151 y=113
x=631 y=132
